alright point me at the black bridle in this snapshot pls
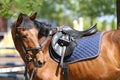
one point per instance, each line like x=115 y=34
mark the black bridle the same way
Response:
x=28 y=57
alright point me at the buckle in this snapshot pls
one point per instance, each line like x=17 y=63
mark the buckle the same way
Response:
x=28 y=57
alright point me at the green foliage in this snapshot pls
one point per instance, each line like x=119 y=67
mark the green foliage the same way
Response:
x=5 y=6
x=62 y=11
x=97 y=8
x=113 y=25
x=104 y=24
x=10 y=8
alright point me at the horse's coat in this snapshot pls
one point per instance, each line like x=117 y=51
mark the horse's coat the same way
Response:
x=105 y=67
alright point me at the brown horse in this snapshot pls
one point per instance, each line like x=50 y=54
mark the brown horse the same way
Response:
x=33 y=42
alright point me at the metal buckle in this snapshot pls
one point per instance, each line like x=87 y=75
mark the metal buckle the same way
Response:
x=28 y=57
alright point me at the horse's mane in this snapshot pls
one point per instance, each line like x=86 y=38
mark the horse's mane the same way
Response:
x=41 y=24
x=26 y=22
x=42 y=27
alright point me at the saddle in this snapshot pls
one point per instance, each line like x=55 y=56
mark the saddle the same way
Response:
x=68 y=38
x=66 y=46
x=77 y=34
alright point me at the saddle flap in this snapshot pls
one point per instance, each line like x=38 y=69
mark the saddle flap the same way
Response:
x=70 y=48
x=56 y=47
x=59 y=41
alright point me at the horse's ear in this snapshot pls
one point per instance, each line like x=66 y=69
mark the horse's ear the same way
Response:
x=32 y=17
x=19 y=20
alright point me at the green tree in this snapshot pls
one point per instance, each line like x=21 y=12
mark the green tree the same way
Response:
x=118 y=13
x=104 y=24
x=96 y=8
x=10 y=8
x=58 y=10
x=113 y=25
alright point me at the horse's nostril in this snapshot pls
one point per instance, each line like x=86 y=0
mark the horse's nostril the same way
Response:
x=39 y=62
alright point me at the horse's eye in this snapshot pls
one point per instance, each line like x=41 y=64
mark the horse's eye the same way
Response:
x=24 y=37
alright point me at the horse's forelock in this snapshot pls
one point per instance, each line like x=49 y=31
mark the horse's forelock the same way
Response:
x=27 y=23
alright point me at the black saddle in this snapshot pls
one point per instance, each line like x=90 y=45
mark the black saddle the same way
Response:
x=78 y=34
x=68 y=37
x=64 y=43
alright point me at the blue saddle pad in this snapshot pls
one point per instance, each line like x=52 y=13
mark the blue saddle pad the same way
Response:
x=87 y=48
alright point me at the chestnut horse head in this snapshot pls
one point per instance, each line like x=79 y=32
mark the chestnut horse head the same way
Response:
x=26 y=33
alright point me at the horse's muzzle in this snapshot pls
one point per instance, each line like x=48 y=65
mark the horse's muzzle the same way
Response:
x=39 y=63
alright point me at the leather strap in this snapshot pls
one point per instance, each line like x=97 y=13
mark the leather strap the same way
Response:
x=65 y=70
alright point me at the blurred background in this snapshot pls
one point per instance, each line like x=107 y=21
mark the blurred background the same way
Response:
x=64 y=12
x=78 y=14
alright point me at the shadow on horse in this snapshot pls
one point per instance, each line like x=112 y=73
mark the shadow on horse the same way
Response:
x=34 y=39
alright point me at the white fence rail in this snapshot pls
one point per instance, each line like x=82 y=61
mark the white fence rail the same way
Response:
x=11 y=69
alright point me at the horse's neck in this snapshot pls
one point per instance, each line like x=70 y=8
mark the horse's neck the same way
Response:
x=111 y=42
x=116 y=38
x=46 y=48
x=113 y=36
